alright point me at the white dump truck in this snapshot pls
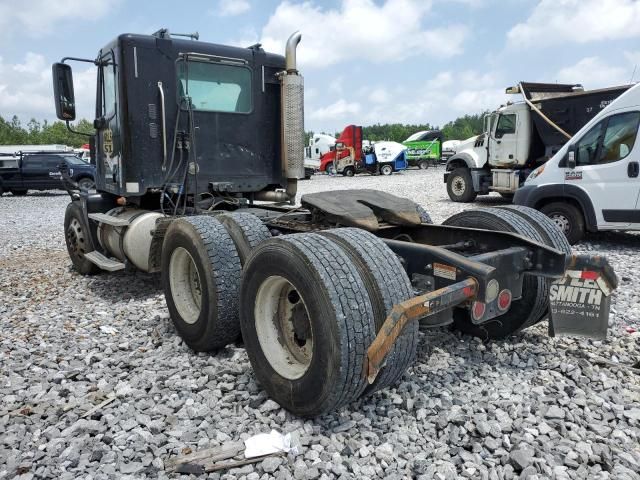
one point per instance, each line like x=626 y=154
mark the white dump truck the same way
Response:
x=519 y=137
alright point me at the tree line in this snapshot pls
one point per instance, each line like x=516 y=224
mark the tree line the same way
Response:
x=12 y=132
x=459 y=129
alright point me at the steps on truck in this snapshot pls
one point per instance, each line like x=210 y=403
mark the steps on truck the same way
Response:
x=109 y=220
x=103 y=262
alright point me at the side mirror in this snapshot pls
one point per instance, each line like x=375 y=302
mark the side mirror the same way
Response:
x=63 y=91
x=571 y=159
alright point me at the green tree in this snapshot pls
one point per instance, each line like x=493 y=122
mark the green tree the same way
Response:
x=36 y=133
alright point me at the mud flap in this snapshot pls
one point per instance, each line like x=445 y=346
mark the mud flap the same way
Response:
x=580 y=300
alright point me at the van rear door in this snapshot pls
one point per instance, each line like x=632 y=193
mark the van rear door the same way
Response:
x=606 y=161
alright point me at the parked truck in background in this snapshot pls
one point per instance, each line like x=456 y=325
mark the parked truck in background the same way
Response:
x=319 y=144
x=519 y=137
x=199 y=148
x=424 y=148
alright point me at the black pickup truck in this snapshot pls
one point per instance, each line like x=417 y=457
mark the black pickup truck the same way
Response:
x=44 y=171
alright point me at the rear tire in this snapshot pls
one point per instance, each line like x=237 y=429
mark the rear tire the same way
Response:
x=246 y=230
x=306 y=323
x=423 y=164
x=387 y=284
x=201 y=280
x=348 y=172
x=77 y=237
x=386 y=169
x=567 y=218
x=460 y=186
x=424 y=215
x=553 y=236
x=533 y=304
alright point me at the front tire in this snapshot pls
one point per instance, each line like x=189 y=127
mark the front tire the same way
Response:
x=349 y=172
x=201 y=279
x=77 y=237
x=306 y=323
x=423 y=164
x=567 y=218
x=460 y=186
x=85 y=184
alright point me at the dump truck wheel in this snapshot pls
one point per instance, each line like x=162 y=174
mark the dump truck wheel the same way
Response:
x=246 y=230
x=568 y=219
x=201 y=279
x=76 y=235
x=386 y=169
x=423 y=165
x=306 y=322
x=535 y=290
x=460 y=186
x=348 y=172
x=387 y=284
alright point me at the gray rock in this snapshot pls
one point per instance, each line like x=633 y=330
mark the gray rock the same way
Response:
x=271 y=464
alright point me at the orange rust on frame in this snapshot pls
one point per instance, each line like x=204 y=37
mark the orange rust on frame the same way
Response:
x=411 y=310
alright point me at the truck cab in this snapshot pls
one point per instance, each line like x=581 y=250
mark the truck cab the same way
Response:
x=593 y=183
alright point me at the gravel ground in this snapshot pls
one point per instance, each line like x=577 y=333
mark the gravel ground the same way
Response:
x=529 y=407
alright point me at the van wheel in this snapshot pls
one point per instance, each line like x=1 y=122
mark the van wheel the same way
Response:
x=568 y=219
x=386 y=169
x=200 y=278
x=76 y=235
x=387 y=284
x=534 y=302
x=460 y=186
x=306 y=322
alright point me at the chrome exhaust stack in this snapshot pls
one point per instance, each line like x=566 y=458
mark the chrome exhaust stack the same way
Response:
x=292 y=121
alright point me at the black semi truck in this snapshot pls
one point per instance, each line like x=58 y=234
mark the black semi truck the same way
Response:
x=199 y=148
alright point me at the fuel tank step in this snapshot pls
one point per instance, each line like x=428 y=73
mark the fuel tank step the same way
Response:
x=103 y=262
x=109 y=219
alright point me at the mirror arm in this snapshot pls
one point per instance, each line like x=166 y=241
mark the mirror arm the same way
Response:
x=76 y=132
x=76 y=59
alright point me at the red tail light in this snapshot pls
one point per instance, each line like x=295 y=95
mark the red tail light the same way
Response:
x=504 y=300
x=477 y=310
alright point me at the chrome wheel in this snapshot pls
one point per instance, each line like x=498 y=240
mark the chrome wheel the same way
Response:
x=76 y=240
x=283 y=327
x=185 y=284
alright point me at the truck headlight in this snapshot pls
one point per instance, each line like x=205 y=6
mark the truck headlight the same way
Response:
x=536 y=173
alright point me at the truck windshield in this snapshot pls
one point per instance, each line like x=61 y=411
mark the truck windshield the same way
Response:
x=73 y=160
x=415 y=137
x=215 y=87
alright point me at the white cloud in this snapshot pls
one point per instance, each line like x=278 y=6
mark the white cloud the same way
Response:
x=555 y=22
x=41 y=17
x=593 y=72
x=338 y=110
x=361 y=29
x=379 y=95
x=26 y=89
x=230 y=8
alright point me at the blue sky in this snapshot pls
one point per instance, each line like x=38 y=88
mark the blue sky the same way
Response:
x=364 y=61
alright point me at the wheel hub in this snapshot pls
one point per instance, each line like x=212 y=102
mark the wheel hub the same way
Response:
x=283 y=327
x=75 y=239
x=186 y=287
x=458 y=186
x=561 y=221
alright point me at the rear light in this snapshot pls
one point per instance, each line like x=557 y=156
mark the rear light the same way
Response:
x=493 y=287
x=504 y=300
x=477 y=310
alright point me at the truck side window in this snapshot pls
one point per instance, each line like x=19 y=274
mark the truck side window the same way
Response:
x=587 y=147
x=108 y=88
x=619 y=137
x=216 y=87
x=506 y=124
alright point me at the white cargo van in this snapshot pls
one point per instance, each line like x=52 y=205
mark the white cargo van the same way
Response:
x=593 y=182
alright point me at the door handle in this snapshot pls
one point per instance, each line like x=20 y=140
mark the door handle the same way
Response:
x=633 y=169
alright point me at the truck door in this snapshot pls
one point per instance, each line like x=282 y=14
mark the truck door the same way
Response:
x=35 y=173
x=607 y=159
x=53 y=177
x=504 y=141
x=108 y=141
